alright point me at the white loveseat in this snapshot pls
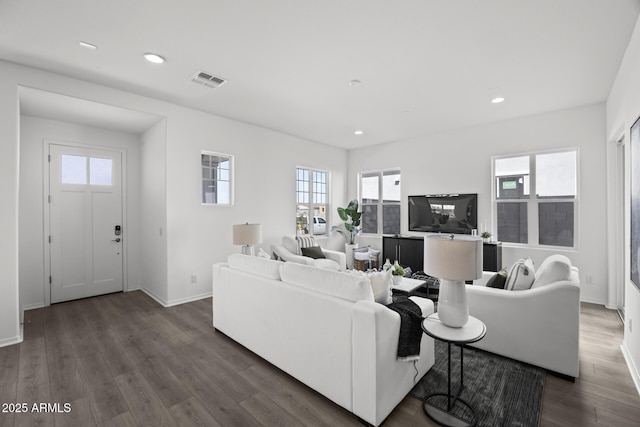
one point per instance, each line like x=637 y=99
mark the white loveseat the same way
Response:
x=322 y=327
x=539 y=326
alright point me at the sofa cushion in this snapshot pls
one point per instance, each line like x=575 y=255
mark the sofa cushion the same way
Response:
x=326 y=264
x=521 y=275
x=314 y=252
x=342 y=285
x=553 y=269
x=498 y=280
x=257 y=265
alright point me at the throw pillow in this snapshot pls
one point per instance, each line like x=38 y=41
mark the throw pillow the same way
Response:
x=498 y=280
x=381 y=286
x=555 y=268
x=380 y=282
x=305 y=242
x=314 y=252
x=521 y=275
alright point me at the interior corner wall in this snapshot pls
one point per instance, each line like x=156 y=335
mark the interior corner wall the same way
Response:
x=33 y=131
x=460 y=162
x=9 y=161
x=622 y=109
x=196 y=235
x=154 y=211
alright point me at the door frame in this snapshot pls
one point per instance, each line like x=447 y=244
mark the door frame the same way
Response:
x=46 y=211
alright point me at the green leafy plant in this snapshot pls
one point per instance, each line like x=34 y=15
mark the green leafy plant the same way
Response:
x=397 y=270
x=485 y=235
x=351 y=217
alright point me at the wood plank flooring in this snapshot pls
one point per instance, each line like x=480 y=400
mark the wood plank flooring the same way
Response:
x=123 y=360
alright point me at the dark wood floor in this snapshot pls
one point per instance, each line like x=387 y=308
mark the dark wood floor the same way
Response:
x=123 y=360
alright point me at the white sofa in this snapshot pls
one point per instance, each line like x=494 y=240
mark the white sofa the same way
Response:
x=539 y=326
x=322 y=327
x=290 y=252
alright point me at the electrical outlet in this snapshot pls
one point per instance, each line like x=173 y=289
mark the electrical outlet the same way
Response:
x=194 y=278
x=589 y=280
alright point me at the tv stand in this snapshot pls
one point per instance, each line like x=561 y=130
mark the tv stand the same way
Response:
x=407 y=250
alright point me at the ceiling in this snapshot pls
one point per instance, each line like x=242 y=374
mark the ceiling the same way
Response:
x=425 y=66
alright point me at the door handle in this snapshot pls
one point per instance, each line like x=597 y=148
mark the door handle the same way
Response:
x=117 y=240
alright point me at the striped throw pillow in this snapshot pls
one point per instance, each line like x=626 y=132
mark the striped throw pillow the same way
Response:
x=305 y=242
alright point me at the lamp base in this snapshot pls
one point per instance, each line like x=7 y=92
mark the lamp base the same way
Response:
x=248 y=250
x=453 y=309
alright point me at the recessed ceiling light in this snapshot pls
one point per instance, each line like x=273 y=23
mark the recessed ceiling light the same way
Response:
x=88 y=45
x=359 y=132
x=497 y=100
x=354 y=83
x=152 y=57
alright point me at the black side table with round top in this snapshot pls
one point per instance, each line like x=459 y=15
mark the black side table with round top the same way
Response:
x=473 y=331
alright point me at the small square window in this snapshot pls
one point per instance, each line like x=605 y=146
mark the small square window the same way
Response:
x=73 y=169
x=217 y=176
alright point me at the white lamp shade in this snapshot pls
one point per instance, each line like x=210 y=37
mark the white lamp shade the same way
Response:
x=457 y=258
x=247 y=234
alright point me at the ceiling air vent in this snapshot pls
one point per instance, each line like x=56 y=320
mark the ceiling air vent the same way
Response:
x=208 y=80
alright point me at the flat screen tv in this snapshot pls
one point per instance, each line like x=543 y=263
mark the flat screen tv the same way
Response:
x=443 y=213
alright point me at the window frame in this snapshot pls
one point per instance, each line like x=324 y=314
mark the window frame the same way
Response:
x=311 y=204
x=380 y=204
x=232 y=180
x=533 y=202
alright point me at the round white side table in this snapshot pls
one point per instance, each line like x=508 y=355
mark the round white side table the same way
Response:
x=473 y=331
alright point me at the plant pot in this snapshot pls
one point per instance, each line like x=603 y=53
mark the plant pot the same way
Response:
x=348 y=250
x=396 y=279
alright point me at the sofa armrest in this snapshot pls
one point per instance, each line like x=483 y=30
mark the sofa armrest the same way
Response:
x=339 y=257
x=380 y=381
x=425 y=304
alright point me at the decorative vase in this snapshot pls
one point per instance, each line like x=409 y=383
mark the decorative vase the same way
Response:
x=348 y=250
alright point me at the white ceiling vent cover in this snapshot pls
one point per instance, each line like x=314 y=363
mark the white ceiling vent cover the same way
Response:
x=208 y=80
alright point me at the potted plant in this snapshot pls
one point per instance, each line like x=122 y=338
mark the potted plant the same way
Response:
x=349 y=228
x=486 y=236
x=397 y=272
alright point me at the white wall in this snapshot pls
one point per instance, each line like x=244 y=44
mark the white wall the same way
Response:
x=33 y=131
x=460 y=162
x=265 y=163
x=153 y=211
x=9 y=161
x=623 y=108
x=196 y=236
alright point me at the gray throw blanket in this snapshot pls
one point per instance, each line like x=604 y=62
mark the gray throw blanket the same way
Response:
x=410 y=328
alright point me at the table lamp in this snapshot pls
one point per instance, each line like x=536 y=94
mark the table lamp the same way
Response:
x=247 y=235
x=453 y=259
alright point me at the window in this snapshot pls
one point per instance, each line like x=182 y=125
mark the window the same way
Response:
x=311 y=201
x=217 y=172
x=74 y=170
x=380 y=201
x=536 y=198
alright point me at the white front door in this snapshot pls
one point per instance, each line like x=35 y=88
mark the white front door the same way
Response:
x=85 y=222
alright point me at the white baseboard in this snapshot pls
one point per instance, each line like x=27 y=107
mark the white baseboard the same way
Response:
x=633 y=370
x=594 y=301
x=10 y=341
x=155 y=297
x=189 y=299
x=175 y=302
x=33 y=306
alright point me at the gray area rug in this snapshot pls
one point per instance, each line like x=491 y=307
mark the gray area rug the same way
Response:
x=502 y=391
